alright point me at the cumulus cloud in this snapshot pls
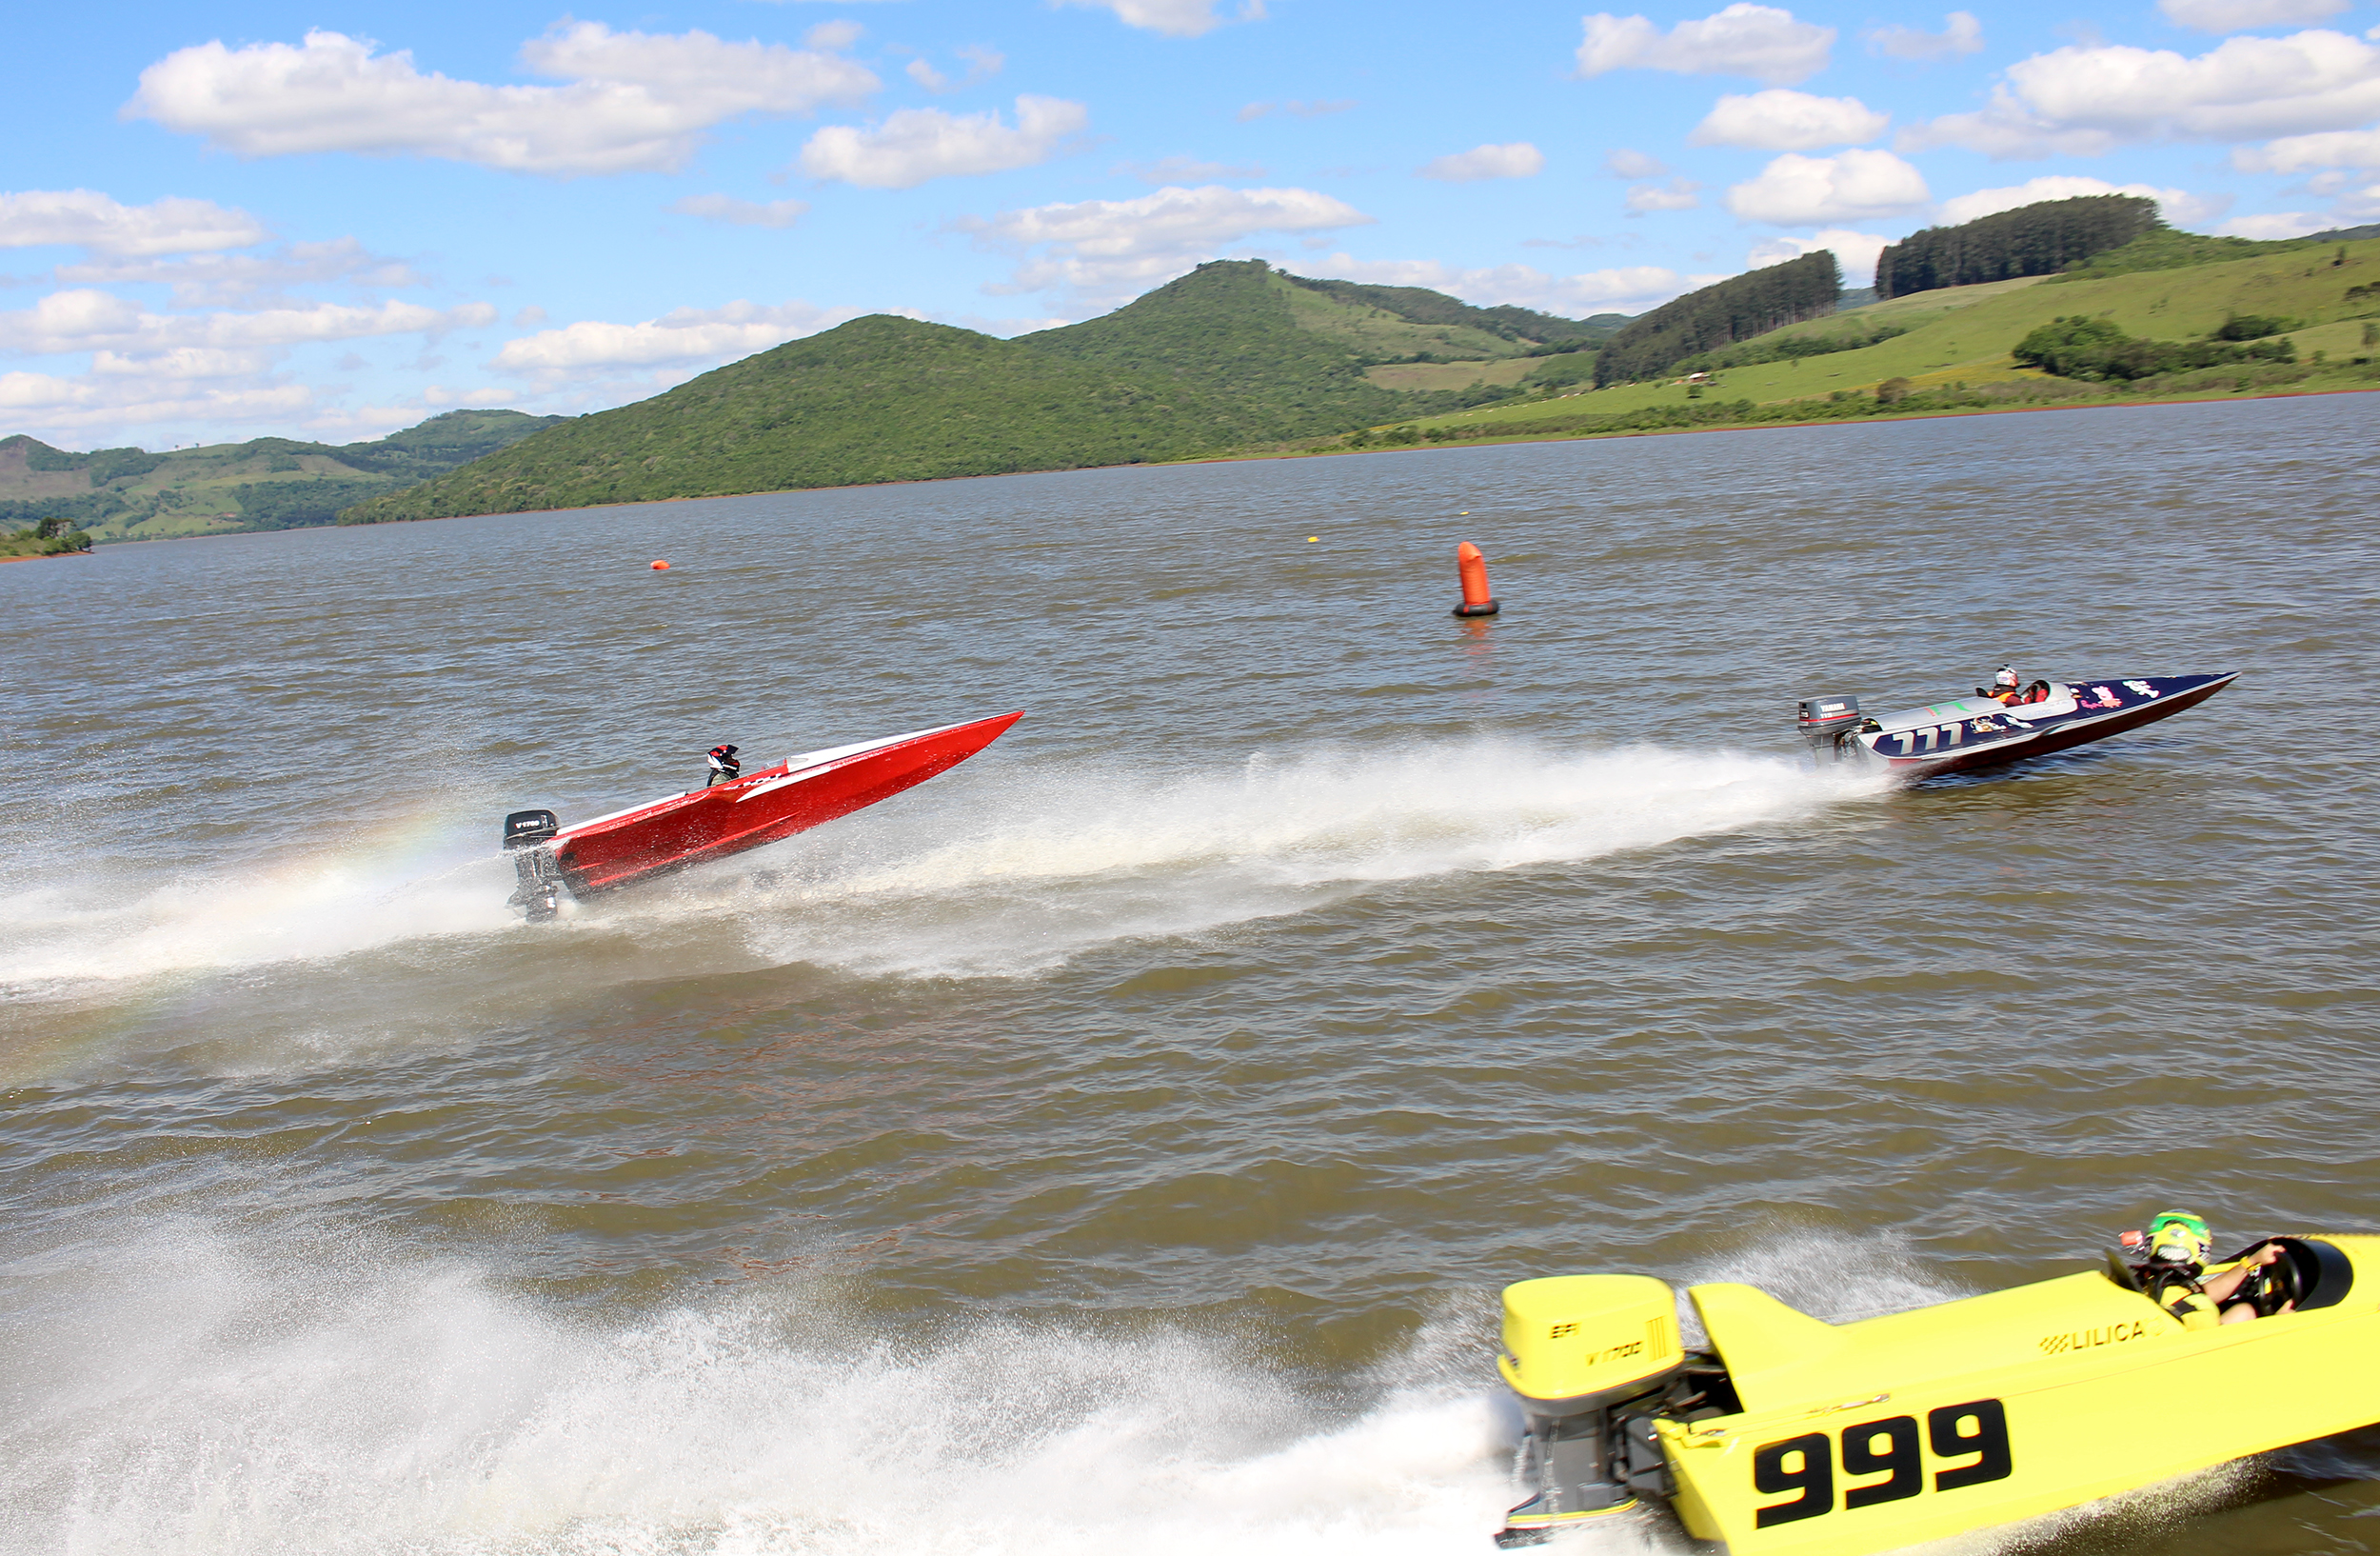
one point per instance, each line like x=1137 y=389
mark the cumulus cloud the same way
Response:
x=1173 y=18
x=84 y=319
x=733 y=213
x=1627 y=163
x=921 y=143
x=1796 y=190
x=1856 y=252
x=980 y=63
x=687 y=335
x=61 y=406
x=87 y=219
x=1106 y=248
x=2084 y=100
x=2244 y=15
x=2304 y=154
x=1517 y=160
x=1678 y=194
x=1778 y=120
x=249 y=280
x=2280 y=224
x=1760 y=41
x=1961 y=34
x=2179 y=205
x=635 y=102
x=1626 y=290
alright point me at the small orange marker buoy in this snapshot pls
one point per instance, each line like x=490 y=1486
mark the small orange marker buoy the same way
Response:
x=1477 y=601
x=659 y=566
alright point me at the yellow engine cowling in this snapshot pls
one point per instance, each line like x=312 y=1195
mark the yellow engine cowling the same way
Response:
x=1575 y=1343
x=1588 y=1355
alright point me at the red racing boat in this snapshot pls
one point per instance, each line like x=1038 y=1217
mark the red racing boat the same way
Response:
x=706 y=824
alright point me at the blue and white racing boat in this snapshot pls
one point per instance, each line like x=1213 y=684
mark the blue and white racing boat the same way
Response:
x=1981 y=731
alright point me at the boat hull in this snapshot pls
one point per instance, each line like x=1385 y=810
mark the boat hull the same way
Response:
x=758 y=808
x=1968 y=733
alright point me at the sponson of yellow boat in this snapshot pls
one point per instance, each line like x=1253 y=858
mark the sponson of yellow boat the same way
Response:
x=1791 y=1435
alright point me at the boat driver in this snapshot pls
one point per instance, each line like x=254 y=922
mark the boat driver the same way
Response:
x=722 y=763
x=2006 y=690
x=2177 y=1278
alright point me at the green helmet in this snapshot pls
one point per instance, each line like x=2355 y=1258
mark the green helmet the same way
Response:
x=2178 y=1237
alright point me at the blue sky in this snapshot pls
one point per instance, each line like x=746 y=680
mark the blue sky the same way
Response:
x=332 y=220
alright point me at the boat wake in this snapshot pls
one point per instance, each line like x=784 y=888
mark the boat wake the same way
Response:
x=993 y=872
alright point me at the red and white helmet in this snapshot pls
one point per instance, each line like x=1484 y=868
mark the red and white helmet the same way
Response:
x=2005 y=679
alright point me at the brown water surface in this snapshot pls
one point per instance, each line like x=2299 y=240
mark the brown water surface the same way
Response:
x=1117 y=1142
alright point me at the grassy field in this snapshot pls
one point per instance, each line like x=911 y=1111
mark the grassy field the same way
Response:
x=1963 y=334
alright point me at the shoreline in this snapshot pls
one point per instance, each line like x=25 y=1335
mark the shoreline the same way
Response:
x=1246 y=457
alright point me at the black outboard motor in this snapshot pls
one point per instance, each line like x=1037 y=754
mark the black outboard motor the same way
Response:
x=1827 y=724
x=528 y=837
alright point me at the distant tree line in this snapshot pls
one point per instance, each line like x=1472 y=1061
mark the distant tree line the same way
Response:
x=49 y=537
x=1754 y=353
x=2077 y=346
x=2032 y=240
x=1748 y=305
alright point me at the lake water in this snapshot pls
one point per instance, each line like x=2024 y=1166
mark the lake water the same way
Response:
x=1119 y=1142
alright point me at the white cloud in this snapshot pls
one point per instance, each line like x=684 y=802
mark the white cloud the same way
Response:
x=1678 y=194
x=1760 y=41
x=1856 y=252
x=88 y=320
x=56 y=407
x=1107 y=249
x=248 y=280
x=921 y=143
x=926 y=76
x=1627 y=163
x=1778 y=120
x=1796 y=190
x=1517 y=160
x=2084 y=100
x=686 y=335
x=1174 y=18
x=2284 y=224
x=1961 y=34
x=1628 y=289
x=636 y=102
x=2179 y=205
x=87 y=219
x=840 y=34
x=722 y=208
x=981 y=62
x=2244 y=15
x=2304 y=154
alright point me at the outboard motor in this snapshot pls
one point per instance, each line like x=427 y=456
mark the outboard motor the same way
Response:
x=1592 y=1358
x=1825 y=722
x=528 y=837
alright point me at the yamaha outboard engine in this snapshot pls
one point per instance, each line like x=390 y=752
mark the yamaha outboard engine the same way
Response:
x=1827 y=724
x=1592 y=1358
x=528 y=837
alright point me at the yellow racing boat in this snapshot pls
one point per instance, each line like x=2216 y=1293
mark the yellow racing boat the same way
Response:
x=1791 y=1435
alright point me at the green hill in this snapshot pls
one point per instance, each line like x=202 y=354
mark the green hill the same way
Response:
x=1233 y=355
x=222 y=489
x=2325 y=298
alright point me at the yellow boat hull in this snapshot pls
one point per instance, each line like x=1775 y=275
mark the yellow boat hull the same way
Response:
x=1872 y=1435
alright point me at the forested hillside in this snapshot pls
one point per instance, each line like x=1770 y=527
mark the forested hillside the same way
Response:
x=223 y=488
x=1736 y=310
x=2038 y=239
x=1233 y=355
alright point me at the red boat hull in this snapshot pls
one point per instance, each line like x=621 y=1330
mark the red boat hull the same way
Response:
x=760 y=807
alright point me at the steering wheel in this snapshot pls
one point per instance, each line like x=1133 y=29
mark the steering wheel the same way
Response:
x=2270 y=1286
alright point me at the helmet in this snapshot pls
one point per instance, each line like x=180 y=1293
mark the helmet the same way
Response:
x=2006 y=678
x=2179 y=1237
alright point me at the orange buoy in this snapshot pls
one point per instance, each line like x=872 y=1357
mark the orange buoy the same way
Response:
x=1477 y=601
x=659 y=566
